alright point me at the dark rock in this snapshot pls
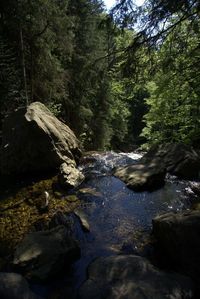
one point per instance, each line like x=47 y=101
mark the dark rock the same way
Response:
x=59 y=218
x=45 y=254
x=42 y=202
x=178 y=159
x=88 y=158
x=14 y=286
x=34 y=140
x=149 y=173
x=132 y=277
x=70 y=176
x=140 y=177
x=178 y=240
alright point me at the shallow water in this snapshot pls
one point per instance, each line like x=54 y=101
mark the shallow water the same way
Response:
x=120 y=219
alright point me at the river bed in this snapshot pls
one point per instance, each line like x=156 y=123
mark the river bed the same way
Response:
x=120 y=219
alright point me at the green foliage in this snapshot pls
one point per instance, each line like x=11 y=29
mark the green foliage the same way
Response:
x=175 y=94
x=74 y=58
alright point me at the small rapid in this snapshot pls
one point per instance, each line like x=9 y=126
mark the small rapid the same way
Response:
x=103 y=163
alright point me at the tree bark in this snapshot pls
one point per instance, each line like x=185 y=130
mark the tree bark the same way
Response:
x=24 y=66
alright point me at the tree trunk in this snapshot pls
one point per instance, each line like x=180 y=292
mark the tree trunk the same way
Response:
x=23 y=66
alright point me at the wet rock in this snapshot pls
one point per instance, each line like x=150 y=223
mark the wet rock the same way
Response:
x=149 y=173
x=89 y=192
x=70 y=176
x=140 y=177
x=178 y=159
x=132 y=277
x=83 y=219
x=34 y=140
x=71 y=198
x=14 y=286
x=178 y=240
x=45 y=254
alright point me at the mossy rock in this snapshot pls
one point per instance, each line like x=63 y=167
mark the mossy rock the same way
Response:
x=89 y=192
x=71 y=198
x=58 y=194
x=19 y=212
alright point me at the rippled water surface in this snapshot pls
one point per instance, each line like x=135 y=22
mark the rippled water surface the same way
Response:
x=119 y=218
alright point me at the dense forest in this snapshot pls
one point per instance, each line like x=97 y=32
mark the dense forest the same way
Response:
x=99 y=149
x=119 y=79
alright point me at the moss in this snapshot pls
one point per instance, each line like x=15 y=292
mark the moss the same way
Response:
x=72 y=198
x=19 y=212
x=58 y=194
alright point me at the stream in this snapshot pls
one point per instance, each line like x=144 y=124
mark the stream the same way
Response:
x=120 y=219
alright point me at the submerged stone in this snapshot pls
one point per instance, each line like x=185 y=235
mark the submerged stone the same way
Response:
x=71 y=198
x=83 y=219
x=90 y=192
x=20 y=214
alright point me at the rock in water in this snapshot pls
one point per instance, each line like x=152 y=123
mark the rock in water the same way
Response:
x=149 y=173
x=45 y=254
x=83 y=219
x=70 y=176
x=35 y=140
x=132 y=277
x=178 y=159
x=178 y=239
x=14 y=286
x=142 y=177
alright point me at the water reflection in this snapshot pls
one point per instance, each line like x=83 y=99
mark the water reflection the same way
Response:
x=120 y=219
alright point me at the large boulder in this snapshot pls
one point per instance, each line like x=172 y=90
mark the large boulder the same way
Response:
x=140 y=177
x=149 y=172
x=45 y=254
x=178 y=159
x=14 y=286
x=178 y=240
x=132 y=277
x=33 y=140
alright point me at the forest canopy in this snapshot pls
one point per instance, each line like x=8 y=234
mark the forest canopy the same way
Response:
x=119 y=79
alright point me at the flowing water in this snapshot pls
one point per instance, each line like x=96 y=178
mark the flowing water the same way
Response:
x=120 y=219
